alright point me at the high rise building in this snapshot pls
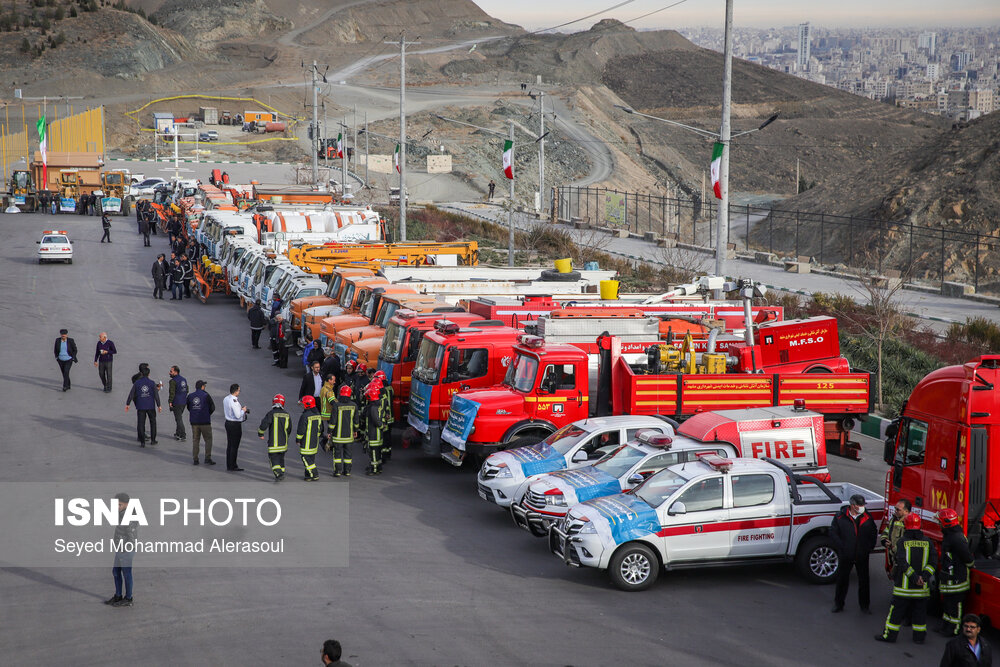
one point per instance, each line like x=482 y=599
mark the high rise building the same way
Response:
x=928 y=40
x=803 y=57
x=933 y=71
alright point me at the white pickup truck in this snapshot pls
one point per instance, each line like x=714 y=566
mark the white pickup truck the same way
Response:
x=709 y=512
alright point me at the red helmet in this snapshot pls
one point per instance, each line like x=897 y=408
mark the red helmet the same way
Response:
x=373 y=392
x=912 y=521
x=345 y=391
x=279 y=399
x=362 y=368
x=351 y=364
x=380 y=374
x=309 y=401
x=948 y=517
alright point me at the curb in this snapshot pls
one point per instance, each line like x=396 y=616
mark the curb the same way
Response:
x=872 y=426
x=190 y=161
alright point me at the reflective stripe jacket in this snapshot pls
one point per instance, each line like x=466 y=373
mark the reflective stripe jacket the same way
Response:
x=890 y=536
x=342 y=420
x=309 y=430
x=327 y=398
x=372 y=423
x=279 y=423
x=915 y=558
x=385 y=406
x=956 y=559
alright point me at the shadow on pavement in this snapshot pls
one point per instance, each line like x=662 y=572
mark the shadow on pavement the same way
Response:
x=39 y=578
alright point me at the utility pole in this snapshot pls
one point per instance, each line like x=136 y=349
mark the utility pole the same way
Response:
x=541 y=151
x=402 y=133
x=354 y=131
x=315 y=128
x=366 y=150
x=722 y=233
x=796 y=175
x=510 y=204
x=324 y=139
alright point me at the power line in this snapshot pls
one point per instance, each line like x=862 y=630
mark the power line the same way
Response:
x=583 y=18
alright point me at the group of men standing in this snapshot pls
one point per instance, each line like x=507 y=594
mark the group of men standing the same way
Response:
x=179 y=272
x=911 y=562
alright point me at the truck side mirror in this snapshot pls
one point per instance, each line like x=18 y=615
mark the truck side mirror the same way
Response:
x=677 y=508
x=889 y=451
x=580 y=456
x=635 y=479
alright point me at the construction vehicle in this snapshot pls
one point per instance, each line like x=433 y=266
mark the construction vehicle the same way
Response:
x=115 y=186
x=323 y=259
x=367 y=338
x=940 y=450
x=550 y=385
x=69 y=190
x=367 y=303
x=304 y=315
x=226 y=118
x=21 y=191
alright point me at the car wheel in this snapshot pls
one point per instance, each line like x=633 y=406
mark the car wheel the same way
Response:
x=40 y=260
x=69 y=261
x=817 y=560
x=634 y=567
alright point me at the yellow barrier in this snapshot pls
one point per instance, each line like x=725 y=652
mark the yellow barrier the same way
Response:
x=564 y=265
x=609 y=290
x=79 y=133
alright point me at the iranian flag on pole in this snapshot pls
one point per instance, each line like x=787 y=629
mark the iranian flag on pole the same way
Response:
x=43 y=149
x=716 y=166
x=395 y=158
x=508 y=159
x=340 y=144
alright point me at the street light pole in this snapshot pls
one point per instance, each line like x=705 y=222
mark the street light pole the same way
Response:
x=722 y=237
x=541 y=151
x=315 y=129
x=402 y=132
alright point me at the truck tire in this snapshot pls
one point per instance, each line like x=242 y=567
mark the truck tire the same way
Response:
x=126 y=206
x=817 y=560
x=634 y=567
x=555 y=276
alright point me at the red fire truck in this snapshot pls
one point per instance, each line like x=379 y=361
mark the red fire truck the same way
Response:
x=940 y=457
x=550 y=385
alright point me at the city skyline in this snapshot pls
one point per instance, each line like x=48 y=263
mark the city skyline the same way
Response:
x=750 y=13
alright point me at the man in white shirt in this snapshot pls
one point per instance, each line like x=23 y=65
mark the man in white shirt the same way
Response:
x=236 y=414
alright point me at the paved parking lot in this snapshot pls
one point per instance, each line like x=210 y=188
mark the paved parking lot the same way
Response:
x=436 y=577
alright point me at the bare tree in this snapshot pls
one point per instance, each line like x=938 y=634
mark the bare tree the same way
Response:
x=686 y=263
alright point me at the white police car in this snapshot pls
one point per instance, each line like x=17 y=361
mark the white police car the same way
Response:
x=55 y=246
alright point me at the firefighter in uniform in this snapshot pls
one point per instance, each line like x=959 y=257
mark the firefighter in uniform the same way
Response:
x=953 y=576
x=307 y=434
x=916 y=559
x=327 y=399
x=360 y=382
x=279 y=423
x=372 y=425
x=892 y=531
x=343 y=422
x=385 y=407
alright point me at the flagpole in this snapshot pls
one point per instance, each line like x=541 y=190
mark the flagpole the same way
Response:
x=722 y=231
x=510 y=204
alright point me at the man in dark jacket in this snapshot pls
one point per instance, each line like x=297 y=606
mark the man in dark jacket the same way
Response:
x=177 y=401
x=188 y=273
x=65 y=351
x=200 y=408
x=144 y=229
x=106 y=226
x=176 y=281
x=280 y=336
x=916 y=560
x=331 y=366
x=312 y=382
x=854 y=534
x=123 y=542
x=257 y=323
x=160 y=272
x=104 y=360
x=969 y=650
x=953 y=576
x=146 y=396
x=314 y=352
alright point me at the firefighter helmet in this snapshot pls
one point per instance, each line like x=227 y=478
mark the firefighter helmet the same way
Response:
x=380 y=374
x=373 y=391
x=279 y=399
x=345 y=391
x=351 y=364
x=309 y=401
x=912 y=521
x=948 y=517
x=362 y=368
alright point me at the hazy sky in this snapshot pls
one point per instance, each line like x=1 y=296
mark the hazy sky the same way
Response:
x=758 y=13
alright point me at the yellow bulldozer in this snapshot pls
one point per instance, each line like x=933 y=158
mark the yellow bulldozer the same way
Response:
x=116 y=198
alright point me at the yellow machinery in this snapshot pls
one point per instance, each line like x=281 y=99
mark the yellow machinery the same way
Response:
x=323 y=259
x=69 y=190
x=665 y=358
x=115 y=185
x=21 y=191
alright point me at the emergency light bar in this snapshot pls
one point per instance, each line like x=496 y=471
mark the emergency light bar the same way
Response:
x=654 y=438
x=799 y=404
x=446 y=327
x=531 y=341
x=54 y=232
x=716 y=461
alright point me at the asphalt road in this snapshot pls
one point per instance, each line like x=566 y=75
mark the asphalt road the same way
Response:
x=436 y=577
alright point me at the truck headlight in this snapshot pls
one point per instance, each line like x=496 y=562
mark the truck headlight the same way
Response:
x=587 y=529
x=504 y=472
x=558 y=500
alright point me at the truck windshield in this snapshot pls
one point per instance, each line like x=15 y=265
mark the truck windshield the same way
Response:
x=334 y=288
x=659 y=487
x=565 y=438
x=619 y=461
x=429 y=361
x=366 y=310
x=521 y=374
x=21 y=180
x=347 y=298
x=114 y=179
x=392 y=343
x=386 y=314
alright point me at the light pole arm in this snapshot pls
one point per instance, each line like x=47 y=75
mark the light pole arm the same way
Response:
x=698 y=130
x=462 y=122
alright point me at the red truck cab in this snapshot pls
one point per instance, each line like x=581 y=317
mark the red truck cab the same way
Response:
x=940 y=457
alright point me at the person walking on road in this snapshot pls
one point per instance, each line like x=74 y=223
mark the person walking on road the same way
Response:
x=200 y=408
x=177 y=401
x=176 y=281
x=106 y=226
x=307 y=434
x=236 y=414
x=144 y=229
x=854 y=535
x=492 y=186
x=969 y=649
x=65 y=352
x=916 y=560
x=146 y=396
x=275 y=427
x=104 y=360
x=160 y=272
x=343 y=427
x=953 y=576
x=257 y=323
x=126 y=533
